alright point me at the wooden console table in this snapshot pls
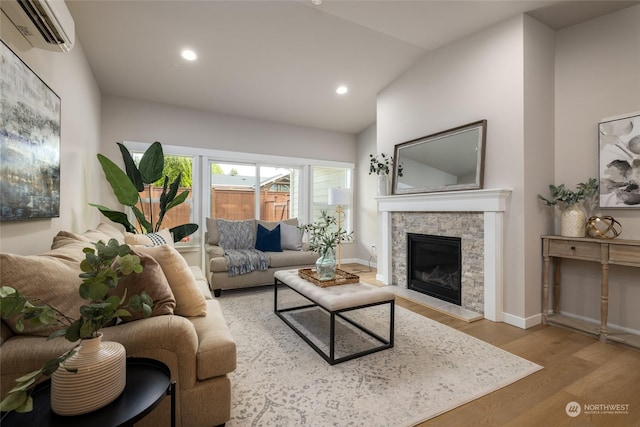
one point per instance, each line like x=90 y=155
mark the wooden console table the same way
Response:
x=606 y=252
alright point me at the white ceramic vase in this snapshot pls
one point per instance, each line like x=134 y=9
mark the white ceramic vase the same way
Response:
x=383 y=185
x=99 y=380
x=573 y=221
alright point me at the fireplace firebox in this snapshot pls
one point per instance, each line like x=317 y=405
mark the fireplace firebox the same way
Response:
x=434 y=266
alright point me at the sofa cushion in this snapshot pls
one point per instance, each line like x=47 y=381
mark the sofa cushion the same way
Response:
x=290 y=237
x=216 y=347
x=54 y=280
x=201 y=280
x=189 y=298
x=103 y=231
x=236 y=234
x=162 y=237
x=153 y=281
x=291 y=258
x=268 y=240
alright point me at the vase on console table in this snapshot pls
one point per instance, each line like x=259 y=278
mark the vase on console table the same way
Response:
x=573 y=221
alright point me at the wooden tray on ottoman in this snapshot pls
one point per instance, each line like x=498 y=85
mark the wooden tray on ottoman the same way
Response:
x=342 y=277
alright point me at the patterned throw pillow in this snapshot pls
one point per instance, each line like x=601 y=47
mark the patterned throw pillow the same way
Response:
x=236 y=234
x=162 y=237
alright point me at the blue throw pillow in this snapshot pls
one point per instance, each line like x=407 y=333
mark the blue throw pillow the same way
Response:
x=268 y=240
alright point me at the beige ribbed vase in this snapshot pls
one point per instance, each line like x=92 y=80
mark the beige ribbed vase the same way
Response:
x=101 y=377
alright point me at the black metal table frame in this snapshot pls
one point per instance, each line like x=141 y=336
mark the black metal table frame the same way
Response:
x=100 y=416
x=330 y=358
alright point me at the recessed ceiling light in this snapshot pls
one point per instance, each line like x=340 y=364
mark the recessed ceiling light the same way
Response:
x=341 y=90
x=316 y=2
x=189 y=55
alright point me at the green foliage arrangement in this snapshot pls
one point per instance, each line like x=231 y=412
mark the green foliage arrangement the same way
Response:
x=565 y=197
x=382 y=164
x=127 y=186
x=324 y=234
x=99 y=275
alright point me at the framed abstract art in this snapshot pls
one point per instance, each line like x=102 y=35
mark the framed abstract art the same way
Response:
x=619 y=162
x=29 y=143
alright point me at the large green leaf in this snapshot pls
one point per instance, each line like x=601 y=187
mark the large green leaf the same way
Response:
x=152 y=163
x=130 y=166
x=178 y=200
x=115 y=216
x=144 y=223
x=122 y=187
x=182 y=231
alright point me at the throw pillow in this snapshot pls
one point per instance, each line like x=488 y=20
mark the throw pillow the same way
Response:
x=213 y=238
x=51 y=279
x=290 y=237
x=236 y=234
x=189 y=298
x=268 y=240
x=151 y=280
x=162 y=237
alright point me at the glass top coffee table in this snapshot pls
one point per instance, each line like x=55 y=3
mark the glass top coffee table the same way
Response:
x=148 y=382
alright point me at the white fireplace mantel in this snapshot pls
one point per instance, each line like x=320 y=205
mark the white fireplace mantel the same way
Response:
x=493 y=202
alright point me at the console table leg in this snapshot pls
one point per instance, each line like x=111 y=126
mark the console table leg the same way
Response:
x=545 y=291
x=556 y=284
x=604 y=302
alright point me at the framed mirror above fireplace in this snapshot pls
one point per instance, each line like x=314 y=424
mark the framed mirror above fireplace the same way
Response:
x=445 y=161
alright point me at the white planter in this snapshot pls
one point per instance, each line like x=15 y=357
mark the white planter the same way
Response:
x=383 y=185
x=99 y=380
x=573 y=221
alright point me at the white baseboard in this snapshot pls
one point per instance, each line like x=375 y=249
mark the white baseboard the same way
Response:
x=522 y=322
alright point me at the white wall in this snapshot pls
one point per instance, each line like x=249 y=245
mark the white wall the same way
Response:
x=479 y=77
x=543 y=93
x=597 y=76
x=69 y=75
x=366 y=192
x=140 y=121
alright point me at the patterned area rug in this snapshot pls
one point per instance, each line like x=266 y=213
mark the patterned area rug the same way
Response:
x=281 y=381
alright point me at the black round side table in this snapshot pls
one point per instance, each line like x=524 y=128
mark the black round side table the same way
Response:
x=148 y=382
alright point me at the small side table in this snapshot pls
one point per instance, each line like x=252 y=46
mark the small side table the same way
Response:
x=148 y=382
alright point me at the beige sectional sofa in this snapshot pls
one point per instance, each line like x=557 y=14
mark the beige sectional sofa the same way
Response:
x=197 y=347
x=291 y=256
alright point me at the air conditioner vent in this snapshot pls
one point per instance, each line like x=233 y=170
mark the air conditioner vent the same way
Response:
x=46 y=24
x=43 y=23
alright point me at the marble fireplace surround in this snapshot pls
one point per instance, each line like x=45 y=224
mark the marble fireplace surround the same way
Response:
x=491 y=202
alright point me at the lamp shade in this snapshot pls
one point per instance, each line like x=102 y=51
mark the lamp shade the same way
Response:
x=339 y=196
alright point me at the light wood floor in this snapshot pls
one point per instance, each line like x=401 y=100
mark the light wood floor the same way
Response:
x=577 y=368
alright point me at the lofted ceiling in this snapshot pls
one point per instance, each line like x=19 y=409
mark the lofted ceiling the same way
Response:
x=281 y=61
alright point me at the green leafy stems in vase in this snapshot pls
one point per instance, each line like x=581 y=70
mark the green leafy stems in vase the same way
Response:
x=324 y=236
x=564 y=197
x=100 y=274
x=382 y=164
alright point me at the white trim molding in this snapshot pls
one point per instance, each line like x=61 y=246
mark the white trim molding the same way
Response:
x=492 y=202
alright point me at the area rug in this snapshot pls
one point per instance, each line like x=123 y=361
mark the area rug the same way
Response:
x=281 y=381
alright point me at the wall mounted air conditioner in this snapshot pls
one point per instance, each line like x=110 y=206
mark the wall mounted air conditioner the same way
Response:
x=46 y=24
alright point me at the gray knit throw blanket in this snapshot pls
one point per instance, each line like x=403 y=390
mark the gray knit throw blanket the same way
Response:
x=236 y=238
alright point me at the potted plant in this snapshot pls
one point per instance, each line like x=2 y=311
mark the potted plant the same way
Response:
x=127 y=186
x=573 y=218
x=102 y=269
x=382 y=165
x=324 y=236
